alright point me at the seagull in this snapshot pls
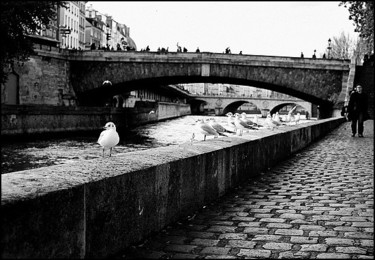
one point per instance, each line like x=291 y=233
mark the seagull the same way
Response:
x=206 y=129
x=230 y=121
x=241 y=125
x=109 y=137
x=218 y=127
x=290 y=116
x=237 y=115
x=273 y=116
x=271 y=123
x=247 y=120
x=297 y=118
x=256 y=120
x=278 y=117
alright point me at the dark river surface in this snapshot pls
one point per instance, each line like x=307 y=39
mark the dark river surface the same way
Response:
x=24 y=155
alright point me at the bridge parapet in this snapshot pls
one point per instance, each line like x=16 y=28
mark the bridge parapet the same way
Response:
x=209 y=58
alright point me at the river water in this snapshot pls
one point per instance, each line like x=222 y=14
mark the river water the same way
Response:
x=18 y=156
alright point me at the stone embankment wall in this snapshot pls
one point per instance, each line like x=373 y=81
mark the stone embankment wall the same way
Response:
x=21 y=120
x=97 y=207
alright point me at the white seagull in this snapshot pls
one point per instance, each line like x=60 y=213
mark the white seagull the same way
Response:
x=297 y=118
x=270 y=122
x=230 y=121
x=218 y=127
x=109 y=137
x=206 y=130
x=278 y=117
x=290 y=116
x=248 y=120
x=241 y=125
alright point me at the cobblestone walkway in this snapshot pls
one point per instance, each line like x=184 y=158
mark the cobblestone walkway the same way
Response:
x=317 y=204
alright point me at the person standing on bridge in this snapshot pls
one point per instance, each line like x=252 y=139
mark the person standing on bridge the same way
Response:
x=357 y=109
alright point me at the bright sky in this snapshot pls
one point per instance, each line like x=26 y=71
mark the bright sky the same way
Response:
x=259 y=28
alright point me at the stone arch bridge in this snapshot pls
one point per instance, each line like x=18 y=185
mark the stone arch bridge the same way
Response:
x=223 y=104
x=321 y=82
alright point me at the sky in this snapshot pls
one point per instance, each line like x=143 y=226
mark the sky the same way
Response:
x=272 y=28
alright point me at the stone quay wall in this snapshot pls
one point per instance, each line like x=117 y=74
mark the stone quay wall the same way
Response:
x=23 y=120
x=94 y=208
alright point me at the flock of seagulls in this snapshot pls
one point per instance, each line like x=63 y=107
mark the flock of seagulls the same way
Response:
x=236 y=125
x=241 y=123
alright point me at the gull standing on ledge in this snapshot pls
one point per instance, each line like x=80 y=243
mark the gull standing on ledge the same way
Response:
x=218 y=127
x=109 y=137
x=230 y=121
x=297 y=117
x=270 y=123
x=206 y=129
x=290 y=117
x=247 y=120
x=241 y=125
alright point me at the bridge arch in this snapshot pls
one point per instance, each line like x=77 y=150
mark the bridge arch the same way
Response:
x=280 y=106
x=224 y=104
x=232 y=107
x=322 y=82
x=197 y=106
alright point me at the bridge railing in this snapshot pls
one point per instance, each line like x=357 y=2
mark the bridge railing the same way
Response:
x=206 y=57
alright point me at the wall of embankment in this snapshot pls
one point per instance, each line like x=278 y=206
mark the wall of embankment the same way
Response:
x=23 y=120
x=95 y=208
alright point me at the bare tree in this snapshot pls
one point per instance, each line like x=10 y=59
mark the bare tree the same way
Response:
x=342 y=46
x=345 y=47
x=361 y=49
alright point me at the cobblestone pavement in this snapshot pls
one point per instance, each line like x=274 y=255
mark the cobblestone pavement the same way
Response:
x=317 y=204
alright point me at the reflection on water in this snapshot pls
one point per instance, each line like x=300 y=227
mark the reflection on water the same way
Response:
x=18 y=156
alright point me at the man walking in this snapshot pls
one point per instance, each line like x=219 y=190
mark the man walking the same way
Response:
x=357 y=108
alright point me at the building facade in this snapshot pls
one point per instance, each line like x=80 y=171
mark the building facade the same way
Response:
x=70 y=21
x=114 y=35
x=94 y=34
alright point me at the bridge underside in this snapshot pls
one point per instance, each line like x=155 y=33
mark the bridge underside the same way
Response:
x=105 y=92
x=161 y=86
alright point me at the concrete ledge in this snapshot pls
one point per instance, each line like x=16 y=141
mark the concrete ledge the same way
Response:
x=96 y=207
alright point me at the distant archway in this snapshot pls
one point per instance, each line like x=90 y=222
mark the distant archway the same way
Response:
x=197 y=106
x=286 y=107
